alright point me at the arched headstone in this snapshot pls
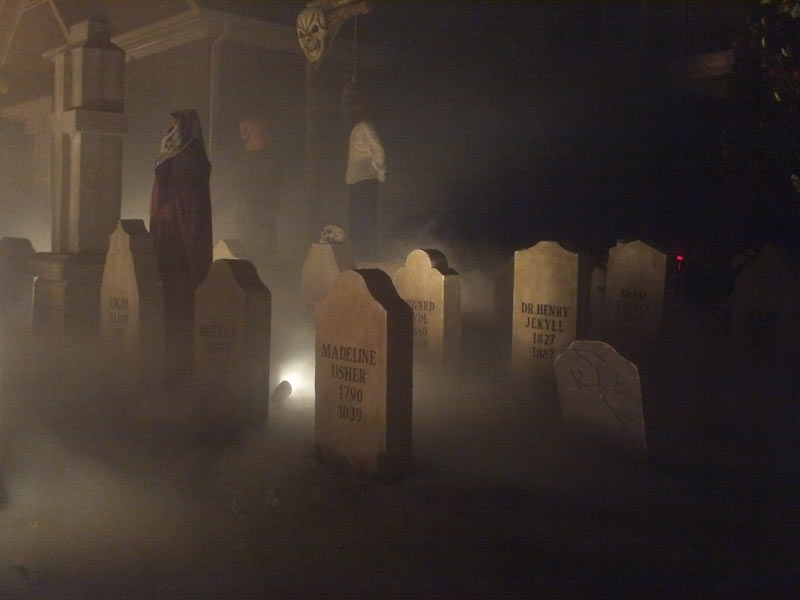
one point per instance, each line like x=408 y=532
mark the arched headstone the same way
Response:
x=551 y=296
x=635 y=294
x=364 y=374
x=765 y=319
x=433 y=290
x=232 y=326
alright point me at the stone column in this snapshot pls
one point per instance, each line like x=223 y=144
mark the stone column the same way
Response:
x=88 y=127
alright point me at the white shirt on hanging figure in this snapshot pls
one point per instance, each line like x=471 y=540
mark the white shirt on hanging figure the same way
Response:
x=365 y=159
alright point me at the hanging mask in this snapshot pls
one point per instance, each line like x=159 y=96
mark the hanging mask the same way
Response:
x=312 y=32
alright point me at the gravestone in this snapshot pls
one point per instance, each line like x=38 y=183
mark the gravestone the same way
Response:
x=364 y=359
x=601 y=394
x=433 y=290
x=231 y=249
x=504 y=300
x=597 y=299
x=388 y=267
x=323 y=265
x=635 y=295
x=232 y=327
x=550 y=306
x=765 y=319
x=16 y=286
x=132 y=305
x=16 y=304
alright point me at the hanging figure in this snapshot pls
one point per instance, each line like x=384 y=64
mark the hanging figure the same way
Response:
x=365 y=168
x=180 y=223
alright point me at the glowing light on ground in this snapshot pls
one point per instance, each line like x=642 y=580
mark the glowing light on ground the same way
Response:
x=300 y=375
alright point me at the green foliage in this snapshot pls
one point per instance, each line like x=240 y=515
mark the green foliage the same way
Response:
x=768 y=68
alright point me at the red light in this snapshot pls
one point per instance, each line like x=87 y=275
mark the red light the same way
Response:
x=679 y=258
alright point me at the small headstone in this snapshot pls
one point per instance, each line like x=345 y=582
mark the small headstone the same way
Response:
x=132 y=304
x=765 y=320
x=635 y=294
x=550 y=306
x=364 y=374
x=323 y=265
x=16 y=286
x=231 y=249
x=433 y=290
x=601 y=394
x=232 y=327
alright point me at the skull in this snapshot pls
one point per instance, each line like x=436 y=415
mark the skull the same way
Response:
x=332 y=234
x=312 y=32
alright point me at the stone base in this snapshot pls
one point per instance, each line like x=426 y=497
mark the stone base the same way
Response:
x=66 y=295
x=16 y=286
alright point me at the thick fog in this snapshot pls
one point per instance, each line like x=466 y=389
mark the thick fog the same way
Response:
x=500 y=131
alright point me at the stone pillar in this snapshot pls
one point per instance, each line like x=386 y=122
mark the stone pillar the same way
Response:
x=88 y=127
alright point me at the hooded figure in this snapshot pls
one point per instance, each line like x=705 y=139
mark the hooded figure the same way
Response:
x=180 y=223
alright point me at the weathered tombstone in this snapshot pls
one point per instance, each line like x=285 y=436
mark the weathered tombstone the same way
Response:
x=132 y=305
x=635 y=296
x=550 y=307
x=765 y=319
x=323 y=265
x=16 y=286
x=363 y=368
x=433 y=290
x=601 y=394
x=231 y=249
x=232 y=326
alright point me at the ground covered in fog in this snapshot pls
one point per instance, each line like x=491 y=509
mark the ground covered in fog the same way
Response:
x=501 y=503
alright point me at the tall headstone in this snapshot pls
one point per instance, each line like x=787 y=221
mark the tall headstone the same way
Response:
x=765 y=319
x=232 y=327
x=132 y=305
x=88 y=127
x=550 y=306
x=364 y=359
x=433 y=290
x=16 y=301
x=16 y=286
x=601 y=394
x=323 y=265
x=636 y=284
